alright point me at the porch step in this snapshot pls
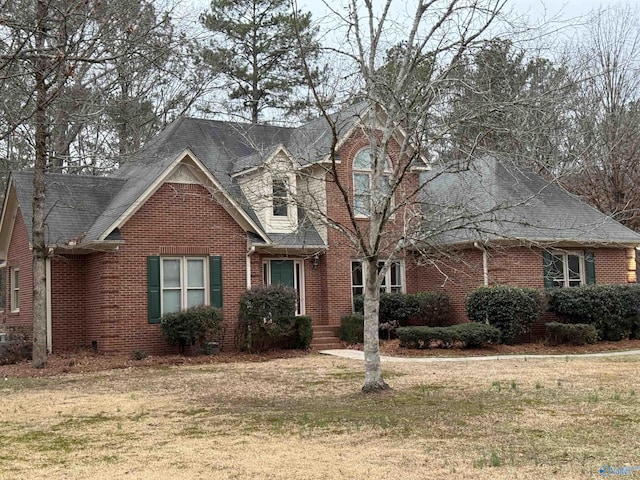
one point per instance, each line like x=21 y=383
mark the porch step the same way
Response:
x=325 y=337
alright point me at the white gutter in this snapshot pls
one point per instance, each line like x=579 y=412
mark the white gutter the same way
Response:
x=485 y=263
x=248 y=268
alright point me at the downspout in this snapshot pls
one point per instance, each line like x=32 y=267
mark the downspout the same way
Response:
x=248 y=268
x=485 y=263
x=48 y=302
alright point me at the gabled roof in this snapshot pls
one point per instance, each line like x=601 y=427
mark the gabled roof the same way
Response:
x=72 y=202
x=495 y=200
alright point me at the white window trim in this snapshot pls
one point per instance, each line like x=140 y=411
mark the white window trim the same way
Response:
x=298 y=279
x=183 y=276
x=283 y=223
x=565 y=266
x=387 y=277
x=369 y=172
x=15 y=291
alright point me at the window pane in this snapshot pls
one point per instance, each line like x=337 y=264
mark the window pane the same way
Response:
x=362 y=161
x=280 y=207
x=361 y=183
x=361 y=205
x=574 y=267
x=195 y=273
x=170 y=301
x=171 y=273
x=357 y=278
x=195 y=298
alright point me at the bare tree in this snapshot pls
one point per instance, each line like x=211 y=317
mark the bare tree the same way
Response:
x=403 y=118
x=606 y=129
x=50 y=52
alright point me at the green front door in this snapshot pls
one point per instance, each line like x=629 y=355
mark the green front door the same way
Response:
x=282 y=272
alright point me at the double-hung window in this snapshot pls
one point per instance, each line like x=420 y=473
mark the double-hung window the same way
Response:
x=15 y=289
x=568 y=269
x=183 y=284
x=280 y=195
x=391 y=283
x=363 y=182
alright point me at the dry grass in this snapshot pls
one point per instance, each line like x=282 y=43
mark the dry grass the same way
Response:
x=302 y=418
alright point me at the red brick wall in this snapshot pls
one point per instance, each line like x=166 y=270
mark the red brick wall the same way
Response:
x=19 y=256
x=68 y=301
x=518 y=266
x=177 y=220
x=336 y=265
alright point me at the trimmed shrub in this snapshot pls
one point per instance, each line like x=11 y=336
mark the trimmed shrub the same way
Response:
x=476 y=335
x=196 y=325
x=352 y=328
x=571 y=333
x=395 y=310
x=434 y=310
x=470 y=335
x=266 y=316
x=510 y=309
x=614 y=310
x=304 y=332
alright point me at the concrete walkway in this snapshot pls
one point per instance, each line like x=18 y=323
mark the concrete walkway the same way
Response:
x=359 y=355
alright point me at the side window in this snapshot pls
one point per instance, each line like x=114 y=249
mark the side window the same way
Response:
x=15 y=289
x=568 y=269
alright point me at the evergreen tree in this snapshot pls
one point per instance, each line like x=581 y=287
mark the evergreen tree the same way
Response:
x=257 y=46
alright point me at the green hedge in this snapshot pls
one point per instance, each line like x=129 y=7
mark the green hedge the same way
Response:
x=571 y=333
x=470 y=335
x=352 y=328
x=510 y=309
x=614 y=310
x=402 y=309
x=304 y=332
x=434 y=310
x=193 y=326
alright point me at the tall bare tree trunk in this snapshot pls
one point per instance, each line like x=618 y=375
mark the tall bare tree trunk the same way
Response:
x=373 y=380
x=38 y=240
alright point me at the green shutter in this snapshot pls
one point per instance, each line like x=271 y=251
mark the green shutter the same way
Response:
x=215 y=281
x=590 y=268
x=547 y=262
x=153 y=289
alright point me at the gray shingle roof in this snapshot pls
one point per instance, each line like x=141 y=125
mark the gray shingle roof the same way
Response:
x=72 y=202
x=495 y=200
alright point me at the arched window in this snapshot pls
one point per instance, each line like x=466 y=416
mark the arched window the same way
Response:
x=362 y=181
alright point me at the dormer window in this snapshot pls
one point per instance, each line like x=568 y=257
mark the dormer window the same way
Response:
x=280 y=198
x=362 y=182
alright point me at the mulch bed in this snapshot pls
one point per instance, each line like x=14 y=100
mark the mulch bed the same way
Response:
x=87 y=361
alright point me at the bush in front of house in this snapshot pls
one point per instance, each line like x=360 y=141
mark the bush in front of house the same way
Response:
x=352 y=328
x=510 y=309
x=570 y=333
x=194 y=326
x=434 y=310
x=395 y=310
x=470 y=335
x=18 y=346
x=303 y=332
x=267 y=317
x=614 y=310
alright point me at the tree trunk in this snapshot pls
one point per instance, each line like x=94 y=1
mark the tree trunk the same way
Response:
x=38 y=240
x=373 y=380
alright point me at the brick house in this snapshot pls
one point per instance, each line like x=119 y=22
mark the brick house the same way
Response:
x=205 y=211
